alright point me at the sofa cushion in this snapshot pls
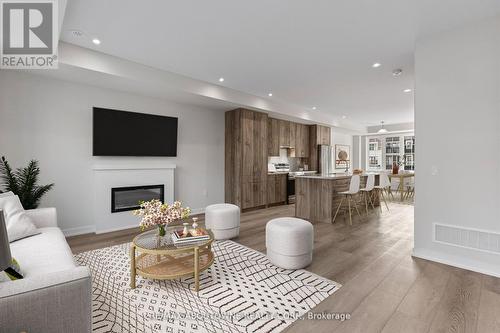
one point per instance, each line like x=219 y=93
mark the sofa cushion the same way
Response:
x=44 y=253
x=19 y=224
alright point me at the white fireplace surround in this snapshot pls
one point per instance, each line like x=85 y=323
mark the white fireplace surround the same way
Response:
x=108 y=176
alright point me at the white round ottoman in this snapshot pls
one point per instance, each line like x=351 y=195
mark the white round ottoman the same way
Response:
x=289 y=242
x=223 y=220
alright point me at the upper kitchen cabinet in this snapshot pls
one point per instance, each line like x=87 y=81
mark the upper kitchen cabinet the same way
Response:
x=273 y=137
x=246 y=149
x=320 y=135
x=284 y=138
x=293 y=135
x=302 y=141
x=287 y=134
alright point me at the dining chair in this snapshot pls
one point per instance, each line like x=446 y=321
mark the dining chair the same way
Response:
x=383 y=186
x=348 y=195
x=368 y=191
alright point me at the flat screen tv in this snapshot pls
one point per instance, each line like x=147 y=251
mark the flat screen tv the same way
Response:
x=123 y=133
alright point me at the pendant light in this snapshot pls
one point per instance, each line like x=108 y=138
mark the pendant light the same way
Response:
x=382 y=130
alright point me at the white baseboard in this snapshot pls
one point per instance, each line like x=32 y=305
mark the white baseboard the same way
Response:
x=197 y=211
x=130 y=226
x=86 y=229
x=89 y=229
x=459 y=262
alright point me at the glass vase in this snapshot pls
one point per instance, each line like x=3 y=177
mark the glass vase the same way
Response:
x=161 y=231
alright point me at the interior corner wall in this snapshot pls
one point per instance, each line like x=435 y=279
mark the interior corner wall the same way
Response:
x=51 y=121
x=457 y=127
x=356 y=152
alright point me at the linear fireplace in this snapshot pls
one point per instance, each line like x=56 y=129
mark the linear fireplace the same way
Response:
x=128 y=198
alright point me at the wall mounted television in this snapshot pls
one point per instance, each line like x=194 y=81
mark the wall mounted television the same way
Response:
x=123 y=133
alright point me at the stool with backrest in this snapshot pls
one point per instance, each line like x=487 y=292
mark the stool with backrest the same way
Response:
x=348 y=195
x=384 y=185
x=368 y=191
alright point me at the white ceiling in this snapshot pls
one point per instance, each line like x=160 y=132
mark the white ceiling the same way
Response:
x=307 y=53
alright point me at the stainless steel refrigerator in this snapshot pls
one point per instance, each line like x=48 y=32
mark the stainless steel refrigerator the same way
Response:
x=326 y=159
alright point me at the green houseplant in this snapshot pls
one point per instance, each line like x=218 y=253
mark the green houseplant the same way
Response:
x=24 y=183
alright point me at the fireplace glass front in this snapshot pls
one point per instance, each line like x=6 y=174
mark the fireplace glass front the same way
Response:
x=128 y=198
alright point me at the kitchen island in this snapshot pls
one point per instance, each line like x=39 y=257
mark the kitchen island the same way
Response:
x=317 y=198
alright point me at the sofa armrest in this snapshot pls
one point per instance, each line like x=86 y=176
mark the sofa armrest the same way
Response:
x=43 y=217
x=55 y=302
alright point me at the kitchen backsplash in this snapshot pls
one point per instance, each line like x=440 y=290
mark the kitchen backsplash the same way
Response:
x=295 y=162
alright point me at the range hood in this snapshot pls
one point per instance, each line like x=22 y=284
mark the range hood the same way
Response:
x=290 y=151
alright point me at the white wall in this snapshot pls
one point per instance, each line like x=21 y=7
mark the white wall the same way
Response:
x=51 y=121
x=340 y=136
x=457 y=140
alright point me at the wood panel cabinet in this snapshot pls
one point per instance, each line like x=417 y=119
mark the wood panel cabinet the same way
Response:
x=246 y=151
x=302 y=141
x=292 y=141
x=254 y=194
x=276 y=188
x=273 y=137
x=325 y=135
x=282 y=133
x=284 y=138
x=318 y=135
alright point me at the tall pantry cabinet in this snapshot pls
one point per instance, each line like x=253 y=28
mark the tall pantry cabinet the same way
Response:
x=246 y=150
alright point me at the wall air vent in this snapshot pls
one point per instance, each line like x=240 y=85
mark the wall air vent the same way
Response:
x=474 y=239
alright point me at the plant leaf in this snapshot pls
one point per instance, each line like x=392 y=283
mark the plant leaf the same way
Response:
x=38 y=193
x=23 y=182
x=10 y=181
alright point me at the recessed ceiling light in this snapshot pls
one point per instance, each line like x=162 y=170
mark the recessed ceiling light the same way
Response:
x=314 y=108
x=376 y=65
x=407 y=90
x=221 y=79
x=270 y=94
x=344 y=116
x=96 y=41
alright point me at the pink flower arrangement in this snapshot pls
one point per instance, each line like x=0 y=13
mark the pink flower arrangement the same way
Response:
x=156 y=213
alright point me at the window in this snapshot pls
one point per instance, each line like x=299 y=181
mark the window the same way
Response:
x=410 y=152
x=384 y=150
x=374 y=154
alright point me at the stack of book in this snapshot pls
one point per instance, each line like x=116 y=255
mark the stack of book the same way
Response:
x=192 y=236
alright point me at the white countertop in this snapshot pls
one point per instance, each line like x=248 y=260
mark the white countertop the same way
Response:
x=340 y=175
x=295 y=173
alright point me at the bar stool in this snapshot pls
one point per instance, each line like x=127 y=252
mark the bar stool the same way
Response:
x=353 y=190
x=384 y=185
x=410 y=189
x=367 y=191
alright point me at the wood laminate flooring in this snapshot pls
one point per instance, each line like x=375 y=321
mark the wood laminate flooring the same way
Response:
x=384 y=288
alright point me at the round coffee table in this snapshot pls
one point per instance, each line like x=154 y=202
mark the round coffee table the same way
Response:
x=159 y=258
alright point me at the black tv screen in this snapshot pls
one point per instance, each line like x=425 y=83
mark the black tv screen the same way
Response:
x=123 y=133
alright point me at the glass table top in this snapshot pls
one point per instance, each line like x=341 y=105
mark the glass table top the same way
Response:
x=149 y=240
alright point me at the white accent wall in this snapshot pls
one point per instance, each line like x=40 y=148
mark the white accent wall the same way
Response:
x=457 y=145
x=51 y=120
x=340 y=136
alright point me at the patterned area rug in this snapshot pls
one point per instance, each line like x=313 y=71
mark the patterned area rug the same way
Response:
x=241 y=292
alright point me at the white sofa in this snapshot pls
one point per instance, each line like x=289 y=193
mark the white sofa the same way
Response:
x=55 y=294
